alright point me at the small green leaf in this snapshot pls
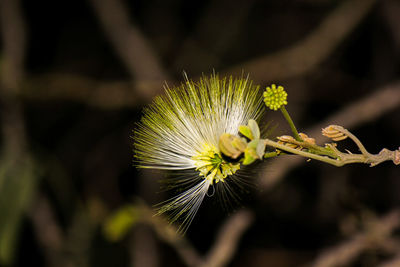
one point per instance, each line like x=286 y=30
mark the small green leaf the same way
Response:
x=253 y=144
x=250 y=153
x=254 y=128
x=260 y=149
x=246 y=131
x=248 y=158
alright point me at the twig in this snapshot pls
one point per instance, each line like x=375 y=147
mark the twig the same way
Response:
x=371 y=107
x=310 y=51
x=332 y=155
x=374 y=236
x=301 y=153
x=365 y=157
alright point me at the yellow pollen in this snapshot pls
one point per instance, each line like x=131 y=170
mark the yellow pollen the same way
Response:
x=212 y=166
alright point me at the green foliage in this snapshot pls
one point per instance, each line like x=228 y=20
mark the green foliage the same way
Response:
x=246 y=131
x=255 y=148
x=18 y=179
x=118 y=224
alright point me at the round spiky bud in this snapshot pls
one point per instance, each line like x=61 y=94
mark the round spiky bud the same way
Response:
x=275 y=97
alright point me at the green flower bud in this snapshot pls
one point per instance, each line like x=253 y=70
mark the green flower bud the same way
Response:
x=275 y=97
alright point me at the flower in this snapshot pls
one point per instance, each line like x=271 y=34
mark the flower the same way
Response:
x=275 y=97
x=181 y=130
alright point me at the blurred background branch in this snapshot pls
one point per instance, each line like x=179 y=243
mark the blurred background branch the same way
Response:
x=308 y=53
x=131 y=46
x=143 y=65
x=225 y=245
x=71 y=93
x=374 y=236
x=17 y=171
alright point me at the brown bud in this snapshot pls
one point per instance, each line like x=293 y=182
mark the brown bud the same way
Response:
x=231 y=145
x=307 y=139
x=286 y=138
x=396 y=158
x=287 y=141
x=333 y=132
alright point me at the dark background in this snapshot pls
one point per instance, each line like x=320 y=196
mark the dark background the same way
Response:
x=86 y=70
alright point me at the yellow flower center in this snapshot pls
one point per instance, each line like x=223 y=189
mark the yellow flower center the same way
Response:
x=212 y=166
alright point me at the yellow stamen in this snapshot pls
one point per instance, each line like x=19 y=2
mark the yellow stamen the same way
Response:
x=212 y=166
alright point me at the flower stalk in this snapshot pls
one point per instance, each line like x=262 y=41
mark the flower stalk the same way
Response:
x=341 y=158
x=291 y=123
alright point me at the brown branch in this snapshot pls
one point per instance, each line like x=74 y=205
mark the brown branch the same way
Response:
x=130 y=45
x=369 y=108
x=219 y=254
x=47 y=231
x=142 y=65
x=391 y=9
x=18 y=178
x=168 y=234
x=227 y=240
x=13 y=35
x=81 y=89
x=373 y=237
x=13 y=30
x=393 y=262
x=144 y=247
x=305 y=55
x=207 y=44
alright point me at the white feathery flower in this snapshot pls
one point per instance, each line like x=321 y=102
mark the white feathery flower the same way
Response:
x=181 y=129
